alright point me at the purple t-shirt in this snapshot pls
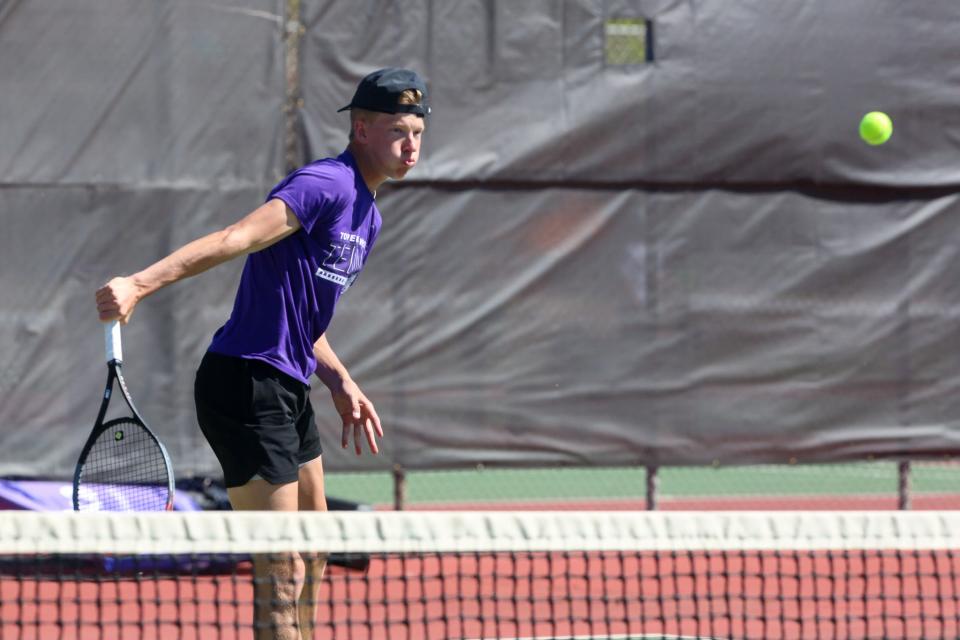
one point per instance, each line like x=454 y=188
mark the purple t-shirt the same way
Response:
x=288 y=291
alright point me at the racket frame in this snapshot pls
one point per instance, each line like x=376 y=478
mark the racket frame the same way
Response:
x=114 y=353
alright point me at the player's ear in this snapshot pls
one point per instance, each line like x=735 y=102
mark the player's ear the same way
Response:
x=359 y=129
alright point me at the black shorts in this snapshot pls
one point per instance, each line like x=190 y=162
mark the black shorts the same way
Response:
x=257 y=419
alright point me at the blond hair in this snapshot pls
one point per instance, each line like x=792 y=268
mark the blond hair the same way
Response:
x=410 y=96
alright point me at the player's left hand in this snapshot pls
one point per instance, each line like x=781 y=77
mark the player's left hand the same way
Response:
x=359 y=417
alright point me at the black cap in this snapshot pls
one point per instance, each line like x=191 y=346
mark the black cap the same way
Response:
x=379 y=92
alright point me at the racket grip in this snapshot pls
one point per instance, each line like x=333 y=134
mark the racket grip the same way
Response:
x=111 y=333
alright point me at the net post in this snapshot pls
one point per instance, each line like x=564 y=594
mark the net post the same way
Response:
x=652 y=486
x=399 y=487
x=903 y=485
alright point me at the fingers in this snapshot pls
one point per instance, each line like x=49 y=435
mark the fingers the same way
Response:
x=107 y=306
x=351 y=421
x=371 y=427
x=374 y=419
x=347 y=426
x=114 y=301
x=371 y=437
x=364 y=423
x=357 y=426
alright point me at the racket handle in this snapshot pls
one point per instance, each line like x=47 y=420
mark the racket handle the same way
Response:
x=111 y=333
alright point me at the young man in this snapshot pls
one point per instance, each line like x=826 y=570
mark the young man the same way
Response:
x=304 y=248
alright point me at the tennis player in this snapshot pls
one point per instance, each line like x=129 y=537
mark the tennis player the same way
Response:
x=305 y=246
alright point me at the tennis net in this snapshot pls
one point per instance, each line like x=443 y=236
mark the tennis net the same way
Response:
x=762 y=575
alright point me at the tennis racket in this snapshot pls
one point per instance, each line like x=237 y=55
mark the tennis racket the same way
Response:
x=123 y=466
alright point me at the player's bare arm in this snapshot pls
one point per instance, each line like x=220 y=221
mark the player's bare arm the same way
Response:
x=357 y=413
x=264 y=226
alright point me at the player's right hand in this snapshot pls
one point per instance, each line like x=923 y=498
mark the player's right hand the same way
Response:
x=116 y=300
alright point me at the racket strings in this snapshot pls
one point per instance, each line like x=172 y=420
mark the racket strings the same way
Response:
x=125 y=470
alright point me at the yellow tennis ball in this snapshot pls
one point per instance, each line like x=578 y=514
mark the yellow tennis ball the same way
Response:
x=876 y=128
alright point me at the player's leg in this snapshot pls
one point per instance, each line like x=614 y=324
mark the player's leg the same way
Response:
x=278 y=578
x=247 y=411
x=311 y=498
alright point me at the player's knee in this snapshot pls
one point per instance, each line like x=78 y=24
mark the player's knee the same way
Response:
x=291 y=568
x=283 y=574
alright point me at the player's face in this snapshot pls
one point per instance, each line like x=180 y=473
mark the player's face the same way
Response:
x=394 y=142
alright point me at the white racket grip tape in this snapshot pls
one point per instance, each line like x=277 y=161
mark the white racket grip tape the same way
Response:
x=111 y=333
